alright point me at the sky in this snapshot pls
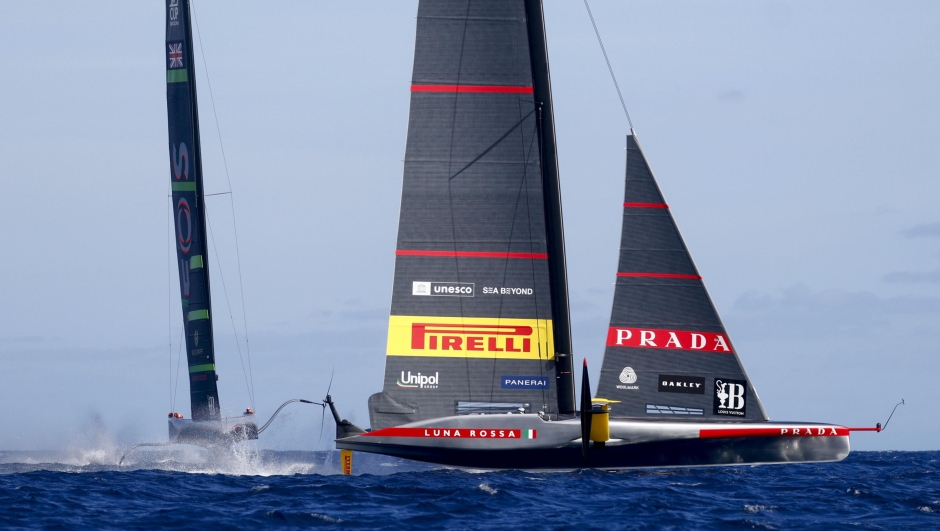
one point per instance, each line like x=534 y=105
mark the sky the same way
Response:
x=795 y=143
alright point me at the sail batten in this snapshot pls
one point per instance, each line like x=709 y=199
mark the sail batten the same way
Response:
x=473 y=302
x=188 y=199
x=667 y=351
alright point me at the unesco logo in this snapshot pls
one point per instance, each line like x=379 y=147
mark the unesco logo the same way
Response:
x=442 y=289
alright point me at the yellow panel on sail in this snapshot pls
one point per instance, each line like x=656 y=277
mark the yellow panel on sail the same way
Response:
x=470 y=337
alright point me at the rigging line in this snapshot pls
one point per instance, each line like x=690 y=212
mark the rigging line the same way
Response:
x=512 y=227
x=492 y=146
x=176 y=381
x=538 y=135
x=228 y=178
x=609 y=68
x=450 y=194
x=169 y=297
x=515 y=213
x=230 y=315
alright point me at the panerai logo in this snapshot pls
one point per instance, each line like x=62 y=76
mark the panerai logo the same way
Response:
x=418 y=381
x=442 y=289
x=730 y=397
x=627 y=377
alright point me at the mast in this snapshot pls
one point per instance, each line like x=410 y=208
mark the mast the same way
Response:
x=554 y=226
x=190 y=214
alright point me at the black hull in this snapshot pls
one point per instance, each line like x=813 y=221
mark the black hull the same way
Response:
x=224 y=432
x=532 y=443
x=684 y=453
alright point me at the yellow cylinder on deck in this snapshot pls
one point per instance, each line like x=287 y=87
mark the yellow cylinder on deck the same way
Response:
x=600 y=419
x=345 y=459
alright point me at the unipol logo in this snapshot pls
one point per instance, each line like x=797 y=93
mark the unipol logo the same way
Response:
x=418 y=381
x=668 y=339
x=483 y=338
x=730 y=397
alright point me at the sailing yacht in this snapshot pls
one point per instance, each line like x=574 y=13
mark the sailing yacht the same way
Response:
x=479 y=366
x=206 y=424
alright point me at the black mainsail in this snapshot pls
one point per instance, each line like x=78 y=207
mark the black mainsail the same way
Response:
x=189 y=209
x=668 y=354
x=479 y=313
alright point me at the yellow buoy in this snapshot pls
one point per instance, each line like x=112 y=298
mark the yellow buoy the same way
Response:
x=600 y=419
x=345 y=457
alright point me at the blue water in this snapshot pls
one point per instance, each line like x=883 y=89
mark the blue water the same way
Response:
x=869 y=490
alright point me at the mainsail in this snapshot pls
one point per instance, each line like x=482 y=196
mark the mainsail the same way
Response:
x=668 y=354
x=479 y=314
x=189 y=209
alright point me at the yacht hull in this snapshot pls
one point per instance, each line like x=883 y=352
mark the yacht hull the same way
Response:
x=223 y=432
x=529 y=442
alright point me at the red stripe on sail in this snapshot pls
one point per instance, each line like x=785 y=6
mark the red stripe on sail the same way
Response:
x=645 y=205
x=447 y=433
x=471 y=254
x=622 y=336
x=789 y=431
x=491 y=89
x=659 y=275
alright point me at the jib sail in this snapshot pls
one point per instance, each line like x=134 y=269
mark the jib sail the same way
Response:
x=668 y=354
x=189 y=210
x=479 y=305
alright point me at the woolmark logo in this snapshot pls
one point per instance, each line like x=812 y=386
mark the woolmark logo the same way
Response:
x=628 y=375
x=730 y=397
x=524 y=382
x=627 y=378
x=418 y=381
x=693 y=385
x=668 y=339
x=442 y=289
x=486 y=338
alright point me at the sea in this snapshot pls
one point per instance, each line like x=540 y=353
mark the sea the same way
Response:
x=190 y=488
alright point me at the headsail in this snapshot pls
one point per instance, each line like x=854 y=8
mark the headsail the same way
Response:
x=189 y=209
x=479 y=303
x=668 y=354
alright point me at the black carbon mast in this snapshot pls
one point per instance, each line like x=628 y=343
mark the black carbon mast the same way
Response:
x=554 y=225
x=190 y=213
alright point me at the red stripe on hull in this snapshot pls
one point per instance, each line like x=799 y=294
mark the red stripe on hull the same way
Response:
x=447 y=433
x=470 y=254
x=659 y=275
x=489 y=89
x=794 y=431
x=645 y=205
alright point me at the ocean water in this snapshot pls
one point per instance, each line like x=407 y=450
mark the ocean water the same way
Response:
x=191 y=489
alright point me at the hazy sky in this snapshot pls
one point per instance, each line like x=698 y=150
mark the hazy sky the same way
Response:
x=796 y=143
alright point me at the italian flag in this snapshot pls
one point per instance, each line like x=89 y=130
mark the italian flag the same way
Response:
x=528 y=434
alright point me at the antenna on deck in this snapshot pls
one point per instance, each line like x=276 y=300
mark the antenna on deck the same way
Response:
x=901 y=403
